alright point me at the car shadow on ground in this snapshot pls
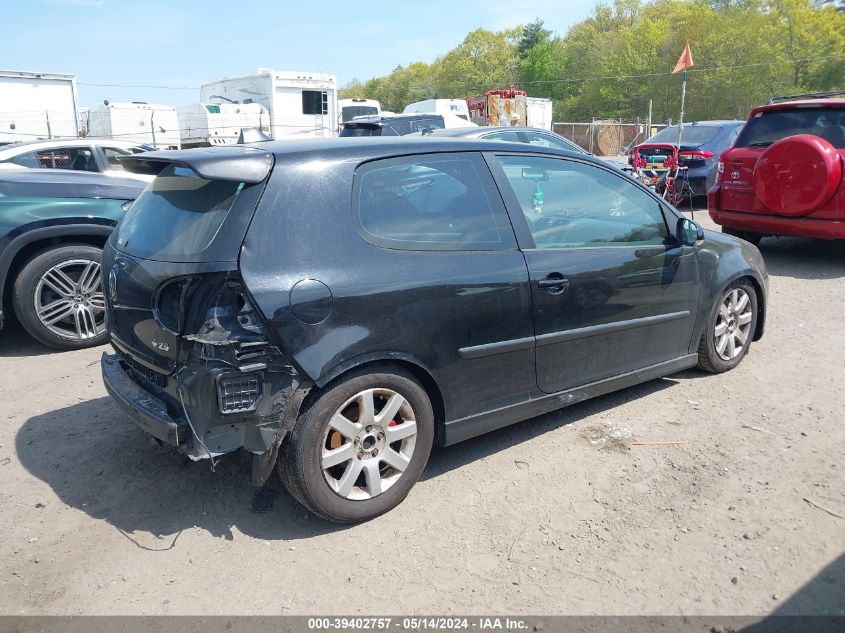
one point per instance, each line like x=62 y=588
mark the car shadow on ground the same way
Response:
x=804 y=258
x=97 y=461
x=822 y=599
x=16 y=342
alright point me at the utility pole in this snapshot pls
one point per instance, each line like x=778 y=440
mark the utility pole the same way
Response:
x=153 y=126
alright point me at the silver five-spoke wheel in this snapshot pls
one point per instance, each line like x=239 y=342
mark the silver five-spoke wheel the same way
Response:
x=69 y=299
x=733 y=324
x=368 y=443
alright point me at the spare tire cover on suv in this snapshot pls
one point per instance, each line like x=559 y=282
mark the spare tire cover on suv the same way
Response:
x=797 y=174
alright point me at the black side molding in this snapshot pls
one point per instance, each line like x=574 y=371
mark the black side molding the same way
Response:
x=500 y=347
x=607 y=328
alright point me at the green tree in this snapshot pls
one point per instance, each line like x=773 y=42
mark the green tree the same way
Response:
x=532 y=35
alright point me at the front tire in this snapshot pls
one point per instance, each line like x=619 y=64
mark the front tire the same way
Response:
x=58 y=297
x=357 y=451
x=729 y=330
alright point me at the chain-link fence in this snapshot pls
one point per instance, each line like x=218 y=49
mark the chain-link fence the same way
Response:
x=606 y=137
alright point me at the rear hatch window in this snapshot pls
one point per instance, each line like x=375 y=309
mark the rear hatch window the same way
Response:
x=692 y=134
x=360 y=130
x=772 y=125
x=182 y=217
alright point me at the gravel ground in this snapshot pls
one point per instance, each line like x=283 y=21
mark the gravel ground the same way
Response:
x=560 y=514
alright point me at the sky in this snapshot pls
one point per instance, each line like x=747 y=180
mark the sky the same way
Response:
x=183 y=43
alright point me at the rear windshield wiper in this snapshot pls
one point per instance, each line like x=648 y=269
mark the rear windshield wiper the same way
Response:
x=760 y=144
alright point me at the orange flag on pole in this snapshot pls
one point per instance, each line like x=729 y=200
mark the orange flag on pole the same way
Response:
x=685 y=60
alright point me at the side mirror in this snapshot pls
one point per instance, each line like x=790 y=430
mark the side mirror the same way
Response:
x=688 y=232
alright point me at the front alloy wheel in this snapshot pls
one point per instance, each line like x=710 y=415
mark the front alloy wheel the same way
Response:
x=730 y=328
x=733 y=324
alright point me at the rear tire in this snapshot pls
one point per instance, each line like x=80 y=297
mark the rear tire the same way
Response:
x=730 y=328
x=748 y=236
x=340 y=460
x=58 y=297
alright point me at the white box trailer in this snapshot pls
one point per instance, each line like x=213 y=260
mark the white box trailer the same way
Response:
x=137 y=121
x=301 y=104
x=206 y=124
x=539 y=112
x=457 y=107
x=37 y=105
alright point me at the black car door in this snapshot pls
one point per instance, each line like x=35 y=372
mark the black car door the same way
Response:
x=612 y=290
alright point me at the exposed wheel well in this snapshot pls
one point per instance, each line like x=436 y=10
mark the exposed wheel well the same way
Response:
x=33 y=248
x=761 y=308
x=423 y=377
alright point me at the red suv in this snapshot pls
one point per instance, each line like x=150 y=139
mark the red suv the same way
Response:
x=783 y=176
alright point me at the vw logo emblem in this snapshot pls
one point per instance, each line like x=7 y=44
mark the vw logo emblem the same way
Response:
x=734 y=175
x=113 y=283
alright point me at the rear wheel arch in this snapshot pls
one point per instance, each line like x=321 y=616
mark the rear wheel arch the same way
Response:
x=383 y=364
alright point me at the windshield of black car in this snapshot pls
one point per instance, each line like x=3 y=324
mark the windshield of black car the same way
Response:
x=350 y=112
x=182 y=217
x=769 y=126
x=692 y=134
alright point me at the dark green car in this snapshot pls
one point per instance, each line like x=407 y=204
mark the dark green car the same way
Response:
x=53 y=225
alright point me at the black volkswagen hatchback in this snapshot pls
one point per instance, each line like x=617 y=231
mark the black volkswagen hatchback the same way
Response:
x=337 y=307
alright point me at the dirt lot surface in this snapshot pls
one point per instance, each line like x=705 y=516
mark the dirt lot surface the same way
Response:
x=560 y=514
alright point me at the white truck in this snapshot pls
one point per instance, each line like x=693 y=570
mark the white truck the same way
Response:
x=457 y=107
x=137 y=121
x=37 y=105
x=539 y=112
x=206 y=124
x=301 y=104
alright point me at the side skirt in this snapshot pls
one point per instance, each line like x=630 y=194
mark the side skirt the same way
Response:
x=459 y=430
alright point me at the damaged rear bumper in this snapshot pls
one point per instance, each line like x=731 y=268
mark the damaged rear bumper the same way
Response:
x=144 y=409
x=183 y=412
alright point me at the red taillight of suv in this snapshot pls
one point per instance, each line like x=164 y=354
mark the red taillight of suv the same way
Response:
x=720 y=169
x=695 y=155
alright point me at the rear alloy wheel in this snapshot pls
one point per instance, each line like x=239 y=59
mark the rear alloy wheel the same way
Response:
x=357 y=451
x=59 y=297
x=730 y=329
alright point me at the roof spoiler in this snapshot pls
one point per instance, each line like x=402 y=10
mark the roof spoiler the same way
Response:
x=244 y=164
x=809 y=95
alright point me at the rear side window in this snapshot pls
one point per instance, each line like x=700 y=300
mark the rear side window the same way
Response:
x=431 y=202
x=769 y=126
x=78 y=158
x=182 y=217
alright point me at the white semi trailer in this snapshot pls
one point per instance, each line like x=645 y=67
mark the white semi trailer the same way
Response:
x=301 y=104
x=37 y=105
x=137 y=121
